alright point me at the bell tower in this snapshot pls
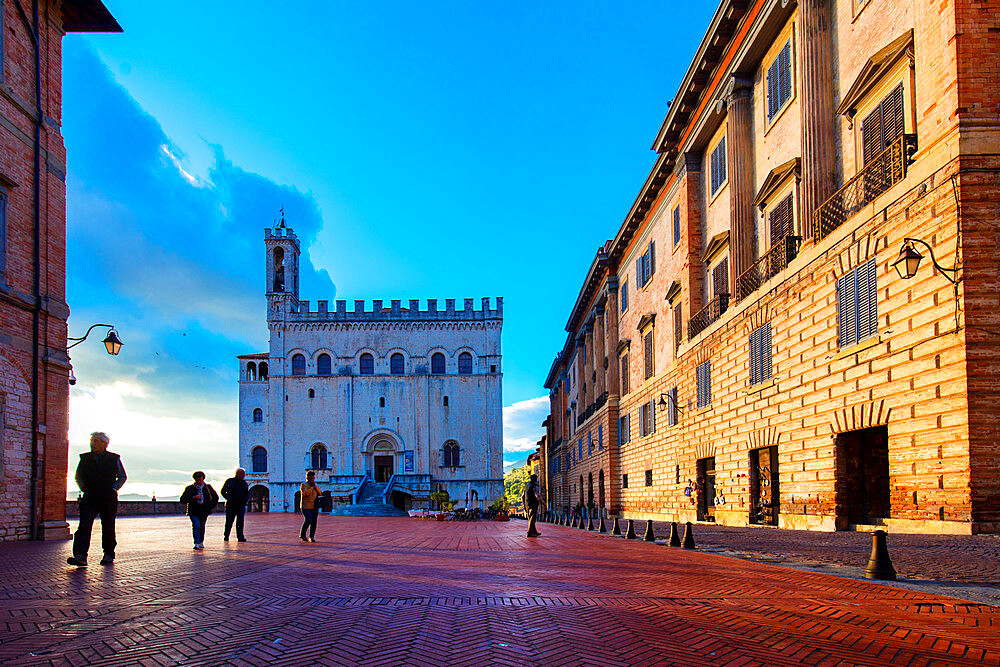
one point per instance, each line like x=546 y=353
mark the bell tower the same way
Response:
x=282 y=272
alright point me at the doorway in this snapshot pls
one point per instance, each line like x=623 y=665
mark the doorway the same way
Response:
x=383 y=468
x=259 y=499
x=706 y=489
x=764 y=498
x=862 y=482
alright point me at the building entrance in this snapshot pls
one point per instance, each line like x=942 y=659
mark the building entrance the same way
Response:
x=383 y=468
x=764 y=498
x=706 y=489
x=862 y=476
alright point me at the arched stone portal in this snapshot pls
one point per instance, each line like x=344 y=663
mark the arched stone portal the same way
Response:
x=383 y=460
x=260 y=499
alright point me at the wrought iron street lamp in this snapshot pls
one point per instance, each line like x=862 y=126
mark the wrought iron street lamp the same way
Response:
x=908 y=262
x=111 y=341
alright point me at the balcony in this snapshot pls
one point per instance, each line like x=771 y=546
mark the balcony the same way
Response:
x=880 y=174
x=710 y=313
x=773 y=262
x=592 y=408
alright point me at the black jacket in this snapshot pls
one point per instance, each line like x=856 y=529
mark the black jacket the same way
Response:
x=204 y=508
x=236 y=492
x=99 y=475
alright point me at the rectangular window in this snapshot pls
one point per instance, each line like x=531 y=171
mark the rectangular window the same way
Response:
x=678 y=329
x=624 y=296
x=760 y=354
x=672 y=407
x=779 y=81
x=624 y=481
x=720 y=278
x=857 y=305
x=718 y=165
x=600 y=437
x=3 y=228
x=649 y=478
x=624 y=371
x=647 y=345
x=781 y=221
x=677 y=225
x=579 y=444
x=883 y=125
x=590 y=445
x=704 y=377
x=645 y=266
x=623 y=429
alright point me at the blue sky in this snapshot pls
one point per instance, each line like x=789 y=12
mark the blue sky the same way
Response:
x=421 y=150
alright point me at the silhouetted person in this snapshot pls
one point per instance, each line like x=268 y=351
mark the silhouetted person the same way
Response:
x=99 y=475
x=532 y=499
x=237 y=493
x=201 y=499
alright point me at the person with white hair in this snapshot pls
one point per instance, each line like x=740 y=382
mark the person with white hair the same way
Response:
x=99 y=475
x=237 y=493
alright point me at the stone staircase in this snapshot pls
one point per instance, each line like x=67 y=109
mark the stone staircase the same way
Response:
x=369 y=504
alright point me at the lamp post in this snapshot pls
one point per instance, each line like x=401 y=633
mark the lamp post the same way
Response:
x=908 y=262
x=111 y=341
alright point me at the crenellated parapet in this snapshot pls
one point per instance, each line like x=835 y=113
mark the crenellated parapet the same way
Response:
x=395 y=312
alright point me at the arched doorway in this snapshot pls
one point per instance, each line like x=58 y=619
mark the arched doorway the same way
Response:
x=600 y=488
x=383 y=461
x=260 y=499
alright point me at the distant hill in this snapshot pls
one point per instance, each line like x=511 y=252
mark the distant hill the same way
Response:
x=128 y=496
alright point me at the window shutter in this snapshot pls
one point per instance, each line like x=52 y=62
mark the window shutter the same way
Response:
x=652 y=258
x=785 y=78
x=765 y=348
x=625 y=296
x=638 y=273
x=678 y=331
x=722 y=160
x=755 y=357
x=871 y=135
x=892 y=116
x=652 y=416
x=867 y=301
x=677 y=225
x=620 y=431
x=772 y=89
x=628 y=428
x=846 y=310
x=708 y=383
x=648 y=352
x=780 y=220
x=720 y=278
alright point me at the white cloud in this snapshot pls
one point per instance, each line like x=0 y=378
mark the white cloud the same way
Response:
x=522 y=425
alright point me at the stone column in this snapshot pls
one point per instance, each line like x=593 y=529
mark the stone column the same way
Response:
x=818 y=123
x=739 y=150
x=600 y=352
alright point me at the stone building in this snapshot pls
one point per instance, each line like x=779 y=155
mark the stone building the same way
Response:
x=747 y=349
x=34 y=364
x=387 y=405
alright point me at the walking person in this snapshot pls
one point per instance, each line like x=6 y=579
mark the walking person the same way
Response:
x=99 y=474
x=237 y=493
x=309 y=497
x=532 y=499
x=201 y=499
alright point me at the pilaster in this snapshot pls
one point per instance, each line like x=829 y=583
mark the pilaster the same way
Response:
x=816 y=67
x=742 y=232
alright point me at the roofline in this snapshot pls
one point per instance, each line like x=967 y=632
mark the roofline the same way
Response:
x=88 y=16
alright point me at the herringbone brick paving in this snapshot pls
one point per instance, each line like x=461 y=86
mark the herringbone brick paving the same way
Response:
x=412 y=592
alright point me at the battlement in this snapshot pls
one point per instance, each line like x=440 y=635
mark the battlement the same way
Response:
x=279 y=233
x=396 y=313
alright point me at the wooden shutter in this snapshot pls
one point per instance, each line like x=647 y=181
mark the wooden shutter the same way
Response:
x=652 y=416
x=781 y=221
x=772 y=89
x=893 y=125
x=625 y=296
x=652 y=258
x=720 y=278
x=765 y=349
x=672 y=407
x=755 y=357
x=677 y=225
x=628 y=427
x=678 y=330
x=784 y=74
x=867 y=304
x=871 y=135
x=847 y=309
x=647 y=343
x=624 y=372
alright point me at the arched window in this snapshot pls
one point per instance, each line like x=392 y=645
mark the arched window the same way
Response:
x=312 y=393
x=367 y=364
x=262 y=371
x=581 y=489
x=251 y=371
x=590 y=488
x=323 y=366
x=452 y=454
x=445 y=401
x=258 y=415
x=279 y=270
x=396 y=364
x=319 y=461
x=437 y=364
x=258 y=459
x=298 y=365
x=465 y=364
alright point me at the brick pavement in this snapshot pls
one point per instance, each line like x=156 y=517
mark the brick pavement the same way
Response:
x=411 y=592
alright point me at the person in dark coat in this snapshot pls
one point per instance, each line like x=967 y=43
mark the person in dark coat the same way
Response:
x=99 y=475
x=237 y=493
x=532 y=499
x=201 y=499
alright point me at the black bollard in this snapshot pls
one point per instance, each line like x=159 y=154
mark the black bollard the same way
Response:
x=649 y=536
x=688 y=536
x=630 y=533
x=615 y=528
x=601 y=528
x=880 y=565
x=590 y=523
x=675 y=538
x=574 y=524
x=583 y=524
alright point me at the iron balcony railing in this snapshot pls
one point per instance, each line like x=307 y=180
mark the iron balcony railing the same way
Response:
x=710 y=313
x=880 y=174
x=773 y=262
x=592 y=408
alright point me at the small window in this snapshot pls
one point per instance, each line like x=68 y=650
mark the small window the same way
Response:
x=298 y=365
x=779 y=81
x=396 y=363
x=649 y=478
x=465 y=364
x=312 y=393
x=677 y=225
x=579 y=448
x=857 y=305
x=493 y=368
x=647 y=344
x=590 y=444
x=600 y=437
x=718 y=165
x=323 y=365
x=672 y=407
x=760 y=355
x=645 y=266
x=262 y=371
x=452 y=455
x=883 y=125
x=367 y=366
x=381 y=401
x=720 y=278
x=625 y=481
x=258 y=415
x=319 y=457
x=444 y=402
x=437 y=364
x=258 y=459
x=251 y=372
x=624 y=295
x=781 y=221
x=704 y=378
x=624 y=373
x=624 y=427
